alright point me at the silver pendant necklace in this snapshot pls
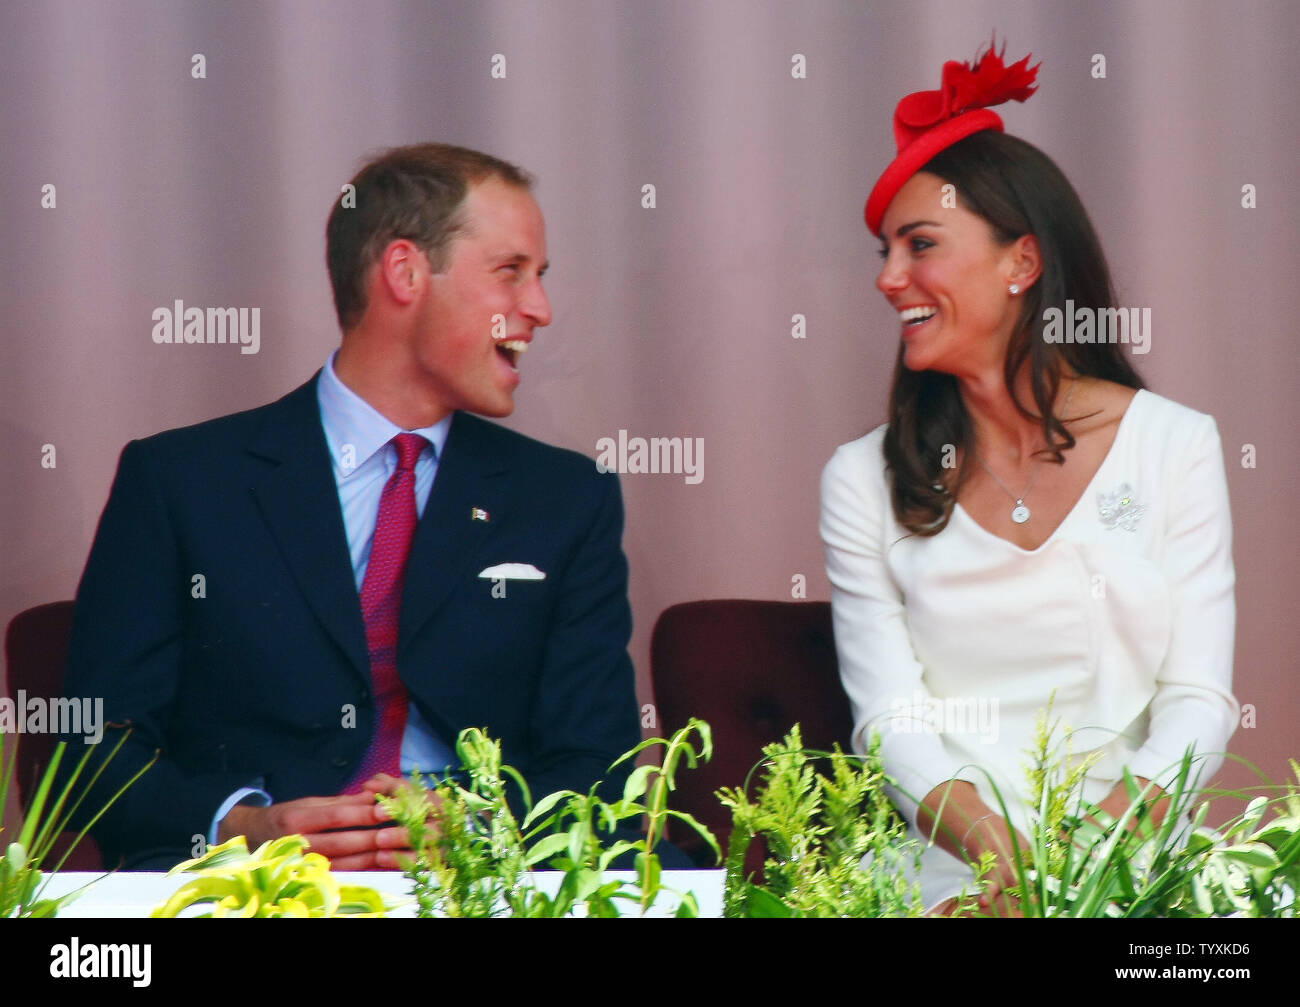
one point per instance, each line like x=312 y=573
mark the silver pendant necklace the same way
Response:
x=1020 y=513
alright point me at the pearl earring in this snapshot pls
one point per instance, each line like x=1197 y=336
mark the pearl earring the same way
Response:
x=1013 y=289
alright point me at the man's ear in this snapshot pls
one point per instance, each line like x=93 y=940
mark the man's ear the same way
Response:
x=402 y=272
x=1026 y=261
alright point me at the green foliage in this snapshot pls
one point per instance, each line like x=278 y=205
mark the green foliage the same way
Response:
x=1081 y=862
x=1078 y=861
x=473 y=858
x=279 y=880
x=22 y=878
x=817 y=829
x=836 y=847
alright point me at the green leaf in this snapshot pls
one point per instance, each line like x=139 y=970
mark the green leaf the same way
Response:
x=635 y=787
x=546 y=848
x=1251 y=854
x=577 y=841
x=546 y=804
x=585 y=883
x=617 y=850
x=648 y=873
x=233 y=851
x=16 y=856
x=762 y=904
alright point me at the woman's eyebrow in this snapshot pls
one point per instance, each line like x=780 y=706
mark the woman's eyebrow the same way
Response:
x=908 y=228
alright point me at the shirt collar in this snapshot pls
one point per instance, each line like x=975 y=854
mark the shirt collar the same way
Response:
x=349 y=420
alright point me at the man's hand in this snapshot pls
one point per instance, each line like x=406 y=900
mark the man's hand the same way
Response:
x=341 y=828
x=382 y=783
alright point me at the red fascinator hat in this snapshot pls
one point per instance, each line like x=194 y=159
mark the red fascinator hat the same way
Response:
x=930 y=121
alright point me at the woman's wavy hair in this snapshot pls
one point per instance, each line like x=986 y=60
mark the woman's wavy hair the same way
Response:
x=1018 y=190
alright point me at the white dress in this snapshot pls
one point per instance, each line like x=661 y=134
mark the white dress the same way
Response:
x=951 y=645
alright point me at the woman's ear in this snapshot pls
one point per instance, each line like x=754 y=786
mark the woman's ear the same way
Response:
x=1026 y=262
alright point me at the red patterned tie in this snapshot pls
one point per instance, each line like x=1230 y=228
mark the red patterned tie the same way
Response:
x=381 y=604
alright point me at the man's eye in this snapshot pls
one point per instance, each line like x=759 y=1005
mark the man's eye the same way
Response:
x=883 y=253
x=921 y=244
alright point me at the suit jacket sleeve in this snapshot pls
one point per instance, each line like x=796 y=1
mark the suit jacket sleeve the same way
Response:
x=126 y=647
x=585 y=714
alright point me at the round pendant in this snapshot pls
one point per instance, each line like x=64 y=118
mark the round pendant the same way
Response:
x=1021 y=514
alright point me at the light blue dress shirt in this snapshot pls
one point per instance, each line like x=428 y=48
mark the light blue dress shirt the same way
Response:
x=357 y=436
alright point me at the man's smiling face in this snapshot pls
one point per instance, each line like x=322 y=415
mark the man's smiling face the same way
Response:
x=476 y=318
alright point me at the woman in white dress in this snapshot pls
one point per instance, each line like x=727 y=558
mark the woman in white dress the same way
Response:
x=1031 y=523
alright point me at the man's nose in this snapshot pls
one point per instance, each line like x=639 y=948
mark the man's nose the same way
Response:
x=537 y=305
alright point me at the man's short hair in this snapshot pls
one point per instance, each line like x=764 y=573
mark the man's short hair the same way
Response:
x=417 y=193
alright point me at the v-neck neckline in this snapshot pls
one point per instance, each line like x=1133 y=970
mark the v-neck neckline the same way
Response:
x=1087 y=491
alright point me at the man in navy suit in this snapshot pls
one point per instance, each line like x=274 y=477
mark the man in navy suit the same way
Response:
x=219 y=612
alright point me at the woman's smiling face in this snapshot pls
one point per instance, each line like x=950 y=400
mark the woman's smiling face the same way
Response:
x=948 y=278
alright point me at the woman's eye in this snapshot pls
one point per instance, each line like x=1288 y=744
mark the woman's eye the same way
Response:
x=915 y=244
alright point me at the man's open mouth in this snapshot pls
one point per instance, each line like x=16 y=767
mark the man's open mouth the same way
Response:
x=512 y=350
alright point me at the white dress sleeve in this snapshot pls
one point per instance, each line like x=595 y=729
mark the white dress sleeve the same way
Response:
x=1193 y=703
x=878 y=665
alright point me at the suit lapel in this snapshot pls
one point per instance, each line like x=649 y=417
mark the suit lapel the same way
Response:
x=298 y=499
x=471 y=477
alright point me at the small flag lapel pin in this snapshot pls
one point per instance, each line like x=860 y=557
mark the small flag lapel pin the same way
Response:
x=478 y=514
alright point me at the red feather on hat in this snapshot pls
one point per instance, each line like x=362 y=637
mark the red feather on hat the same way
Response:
x=990 y=82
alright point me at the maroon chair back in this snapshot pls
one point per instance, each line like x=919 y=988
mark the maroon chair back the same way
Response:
x=752 y=669
x=36 y=651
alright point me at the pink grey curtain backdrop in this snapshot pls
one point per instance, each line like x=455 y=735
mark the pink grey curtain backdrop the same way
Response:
x=156 y=152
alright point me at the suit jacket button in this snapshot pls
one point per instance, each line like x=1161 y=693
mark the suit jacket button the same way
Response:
x=340 y=762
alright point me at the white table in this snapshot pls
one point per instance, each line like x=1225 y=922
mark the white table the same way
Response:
x=133 y=895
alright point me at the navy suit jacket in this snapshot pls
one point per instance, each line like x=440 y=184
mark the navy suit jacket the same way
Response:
x=246 y=677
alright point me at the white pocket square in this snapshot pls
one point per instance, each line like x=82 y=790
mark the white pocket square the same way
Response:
x=512 y=571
